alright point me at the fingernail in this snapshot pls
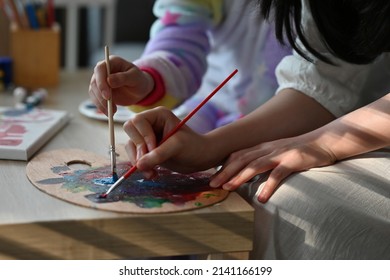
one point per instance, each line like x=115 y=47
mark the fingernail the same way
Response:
x=105 y=94
x=227 y=187
x=262 y=197
x=215 y=183
x=149 y=145
x=139 y=152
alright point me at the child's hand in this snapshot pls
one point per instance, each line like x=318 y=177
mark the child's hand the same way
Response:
x=185 y=151
x=283 y=157
x=127 y=84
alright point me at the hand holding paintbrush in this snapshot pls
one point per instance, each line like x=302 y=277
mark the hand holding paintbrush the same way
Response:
x=172 y=132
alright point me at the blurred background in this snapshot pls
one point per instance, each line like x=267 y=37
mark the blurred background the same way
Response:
x=88 y=25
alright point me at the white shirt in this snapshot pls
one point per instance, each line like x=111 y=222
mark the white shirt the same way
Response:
x=340 y=89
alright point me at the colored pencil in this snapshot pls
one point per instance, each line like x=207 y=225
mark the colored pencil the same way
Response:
x=172 y=132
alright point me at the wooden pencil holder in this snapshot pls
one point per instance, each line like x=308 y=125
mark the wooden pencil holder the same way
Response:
x=36 y=56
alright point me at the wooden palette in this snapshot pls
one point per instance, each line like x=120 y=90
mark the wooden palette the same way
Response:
x=58 y=174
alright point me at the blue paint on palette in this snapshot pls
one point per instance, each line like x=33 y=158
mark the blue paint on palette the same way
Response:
x=104 y=181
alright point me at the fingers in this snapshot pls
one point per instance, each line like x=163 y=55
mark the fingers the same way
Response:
x=99 y=89
x=144 y=131
x=128 y=77
x=159 y=155
x=246 y=173
x=142 y=140
x=277 y=175
x=246 y=164
x=100 y=72
x=141 y=136
x=131 y=149
x=240 y=167
x=123 y=73
x=126 y=84
x=132 y=154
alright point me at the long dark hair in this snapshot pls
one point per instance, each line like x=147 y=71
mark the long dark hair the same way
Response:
x=356 y=31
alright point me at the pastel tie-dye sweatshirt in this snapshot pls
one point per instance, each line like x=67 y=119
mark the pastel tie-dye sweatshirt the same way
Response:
x=195 y=44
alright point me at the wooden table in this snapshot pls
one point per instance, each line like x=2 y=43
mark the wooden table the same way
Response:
x=34 y=225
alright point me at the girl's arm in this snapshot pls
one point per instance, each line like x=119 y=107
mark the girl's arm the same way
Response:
x=178 y=48
x=360 y=131
x=290 y=113
x=363 y=130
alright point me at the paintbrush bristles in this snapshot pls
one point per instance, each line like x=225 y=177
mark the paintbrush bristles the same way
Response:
x=110 y=115
x=116 y=184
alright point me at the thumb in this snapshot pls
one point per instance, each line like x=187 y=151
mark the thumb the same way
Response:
x=118 y=80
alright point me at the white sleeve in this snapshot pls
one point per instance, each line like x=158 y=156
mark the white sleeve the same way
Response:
x=337 y=88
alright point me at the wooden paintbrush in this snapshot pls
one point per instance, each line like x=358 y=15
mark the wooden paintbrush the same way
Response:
x=111 y=122
x=172 y=132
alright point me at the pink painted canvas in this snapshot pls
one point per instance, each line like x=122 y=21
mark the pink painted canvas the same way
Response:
x=24 y=131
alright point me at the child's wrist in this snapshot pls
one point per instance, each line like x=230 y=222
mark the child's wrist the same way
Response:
x=149 y=82
x=158 y=90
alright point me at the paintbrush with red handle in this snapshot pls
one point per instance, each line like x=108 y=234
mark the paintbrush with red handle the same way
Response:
x=172 y=132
